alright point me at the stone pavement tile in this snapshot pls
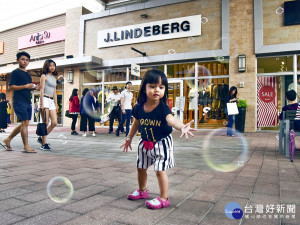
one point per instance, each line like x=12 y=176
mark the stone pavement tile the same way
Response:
x=289 y=177
x=17 y=178
x=84 y=183
x=267 y=178
x=88 y=192
x=34 y=196
x=273 y=171
x=55 y=216
x=8 y=218
x=13 y=193
x=88 y=204
x=102 y=216
x=228 y=176
x=263 y=221
x=264 y=199
x=37 y=208
x=45 y=178
x=172 y=221
x=266 y=188
x=290 y=197
x=114 y=182
x=123 y=190
x=176 y=197
x=177 y=178
x=253 y=174
x=202 y=177
x=207 y=195
x=124 y=203
x=214 y=218
x=294 y=221
x=16 y=184
x=36 y=186
x=224 y=200
x=241 y=191
x=190 y=185
x=249 y=181
x=11 y=203
x=144 y=216
x=220 y=183
x=187 y=172
x=191 y=210
x=287 y=185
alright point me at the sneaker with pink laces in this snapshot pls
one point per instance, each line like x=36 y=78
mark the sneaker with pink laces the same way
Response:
x=138 y=195
x=157 y=203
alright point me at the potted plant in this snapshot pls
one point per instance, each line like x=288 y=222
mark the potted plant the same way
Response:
x=241 y=117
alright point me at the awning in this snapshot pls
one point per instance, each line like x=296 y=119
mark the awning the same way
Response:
x=87 y=61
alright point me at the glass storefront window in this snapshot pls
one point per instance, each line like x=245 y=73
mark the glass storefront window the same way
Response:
x=275 y=64
x=211 y=104
x=115 y=75
x=181 y=70
x=144 y=70
x=92 y=76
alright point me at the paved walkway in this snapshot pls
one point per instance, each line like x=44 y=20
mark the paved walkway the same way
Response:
x=102 y=176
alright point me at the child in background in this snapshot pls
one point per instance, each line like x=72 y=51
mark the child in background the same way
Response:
x=156 y=145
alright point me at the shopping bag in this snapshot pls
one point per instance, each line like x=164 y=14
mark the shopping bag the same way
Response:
x=41 y=129
x=67 y=114
x=232 y=109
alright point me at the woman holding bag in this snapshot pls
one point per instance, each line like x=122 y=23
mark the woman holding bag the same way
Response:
x=74 y=110
x=230 y=98
x=48 y=100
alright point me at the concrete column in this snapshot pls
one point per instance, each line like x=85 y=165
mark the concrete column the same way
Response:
x=242 y=42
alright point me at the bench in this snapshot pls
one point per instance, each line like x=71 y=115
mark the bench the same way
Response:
x=284 y=131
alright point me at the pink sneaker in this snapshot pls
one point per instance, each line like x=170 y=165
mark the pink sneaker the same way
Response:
x=157 y=203
x=138 y=195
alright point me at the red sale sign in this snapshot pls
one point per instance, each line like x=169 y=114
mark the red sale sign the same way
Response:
x=267 y=102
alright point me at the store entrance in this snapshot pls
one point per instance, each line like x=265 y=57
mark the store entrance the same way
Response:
x=175 y=101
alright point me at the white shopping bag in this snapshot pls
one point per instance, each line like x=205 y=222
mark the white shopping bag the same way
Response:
x=232 y=109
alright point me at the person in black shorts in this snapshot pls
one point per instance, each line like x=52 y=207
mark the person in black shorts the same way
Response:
x=20 y=82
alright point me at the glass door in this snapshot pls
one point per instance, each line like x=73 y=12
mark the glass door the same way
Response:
x=176 y=101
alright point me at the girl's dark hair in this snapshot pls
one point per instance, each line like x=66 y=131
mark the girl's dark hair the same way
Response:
x=232 y=89
x=2 y=96
x=74 y=93
x=152 y=77
x=85 y=91
x=45 y=69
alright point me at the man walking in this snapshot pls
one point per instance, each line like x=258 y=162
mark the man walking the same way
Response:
x=20 y=83
x=126 y=100
x=114 y=99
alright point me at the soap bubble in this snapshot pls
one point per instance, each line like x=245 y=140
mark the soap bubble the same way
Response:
x=279 y=10
x=223 y=153
x=204 y=20
x=171 y=52
x=62 y=139
x=56 y=189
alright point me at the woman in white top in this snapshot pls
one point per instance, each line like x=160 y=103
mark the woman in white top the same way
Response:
x=48 y=99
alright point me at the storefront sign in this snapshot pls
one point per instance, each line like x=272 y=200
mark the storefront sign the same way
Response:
x=267 y=94
x=135 y=69
x=267 y=102
x=42 y=37
x=154 y=31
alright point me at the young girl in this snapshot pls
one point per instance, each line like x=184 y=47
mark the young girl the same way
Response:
x=48 y=99
x=156 y=145
x=231 y=97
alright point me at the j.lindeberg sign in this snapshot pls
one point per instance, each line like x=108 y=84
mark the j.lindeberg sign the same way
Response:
x=153 y=31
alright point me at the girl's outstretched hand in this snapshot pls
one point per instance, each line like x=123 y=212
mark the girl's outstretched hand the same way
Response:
x=126 y=145
x=186 y=130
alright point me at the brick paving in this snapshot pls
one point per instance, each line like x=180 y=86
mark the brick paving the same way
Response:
x=102 y=176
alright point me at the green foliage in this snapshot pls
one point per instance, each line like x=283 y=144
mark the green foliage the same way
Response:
x=242 y=103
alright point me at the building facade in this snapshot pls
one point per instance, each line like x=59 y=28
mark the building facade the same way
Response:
x=198 y=44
